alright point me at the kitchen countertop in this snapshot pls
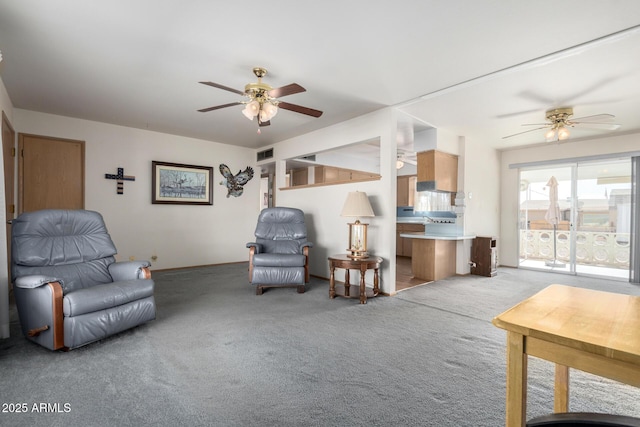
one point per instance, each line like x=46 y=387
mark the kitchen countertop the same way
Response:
x=410 y=220
x=419 y=235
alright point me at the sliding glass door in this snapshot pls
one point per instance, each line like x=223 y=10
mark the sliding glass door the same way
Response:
x=576 y=218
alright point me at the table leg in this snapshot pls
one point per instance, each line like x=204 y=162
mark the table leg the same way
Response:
x=363 y=294
x=332 y=281
x=347 y=285
x=375 y=282
x=516 y=380
x=561 y=389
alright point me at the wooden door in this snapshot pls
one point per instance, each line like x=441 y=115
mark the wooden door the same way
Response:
x=8 y=156
x=50 y=173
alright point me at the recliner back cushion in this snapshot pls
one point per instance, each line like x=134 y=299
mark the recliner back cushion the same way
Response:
x=73 y=245
x=281 y=224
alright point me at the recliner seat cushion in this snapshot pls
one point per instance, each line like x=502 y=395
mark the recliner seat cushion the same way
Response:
x=280 y=246
x=278 y=260
x=278 y=276
x=86 y=328
x=105 y=296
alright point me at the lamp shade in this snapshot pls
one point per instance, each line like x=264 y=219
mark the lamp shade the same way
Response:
x=357 y=205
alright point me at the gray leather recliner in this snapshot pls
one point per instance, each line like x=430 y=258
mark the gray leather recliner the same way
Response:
x=68 y=288
x=280 y=254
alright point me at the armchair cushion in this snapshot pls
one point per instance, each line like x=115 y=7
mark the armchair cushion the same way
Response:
x=279 y=260
x=105 y=296
x=281 y=246
x=53 y=237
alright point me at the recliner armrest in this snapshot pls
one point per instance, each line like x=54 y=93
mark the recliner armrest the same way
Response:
x=35 y=281
x=258 y=247
x=306 y=245
x=129 y=270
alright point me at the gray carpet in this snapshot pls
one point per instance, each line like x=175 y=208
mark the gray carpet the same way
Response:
x=218 y=355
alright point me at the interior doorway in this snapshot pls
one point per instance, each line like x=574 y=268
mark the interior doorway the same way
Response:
x=50 y=173
x=591 y=235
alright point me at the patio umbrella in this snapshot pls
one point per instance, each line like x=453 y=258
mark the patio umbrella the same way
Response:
x=552 y=216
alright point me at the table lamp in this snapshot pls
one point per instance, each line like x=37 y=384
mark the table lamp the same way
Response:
x=357 y=205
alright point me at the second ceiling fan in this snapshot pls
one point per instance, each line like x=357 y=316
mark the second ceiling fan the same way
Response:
x=263 y=101
x=559 y=121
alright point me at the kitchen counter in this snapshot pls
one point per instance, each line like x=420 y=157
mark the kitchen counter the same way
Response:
x=418 y=235
x=410 y=220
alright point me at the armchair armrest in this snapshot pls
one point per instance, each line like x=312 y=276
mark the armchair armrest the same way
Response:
x=39 y=302
x=35 y=281
x=306 y=245
x=130 y=270
x=257 y=247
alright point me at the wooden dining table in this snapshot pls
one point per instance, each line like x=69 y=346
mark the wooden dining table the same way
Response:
x=593 y=331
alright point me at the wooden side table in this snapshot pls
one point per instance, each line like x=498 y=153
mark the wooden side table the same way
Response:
x=362 y=264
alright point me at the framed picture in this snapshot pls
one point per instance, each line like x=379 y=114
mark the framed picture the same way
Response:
x=174 y=183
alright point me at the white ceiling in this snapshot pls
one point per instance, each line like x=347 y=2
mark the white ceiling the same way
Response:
x=477 y=68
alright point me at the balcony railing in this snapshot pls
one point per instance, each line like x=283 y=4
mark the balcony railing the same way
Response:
x=592 y=247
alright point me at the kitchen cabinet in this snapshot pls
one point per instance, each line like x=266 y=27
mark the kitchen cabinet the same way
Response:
x=433 y=259
x=404 y=246
x=406 y=190
x=439 y=168
x=299 y=176
x=329 y=174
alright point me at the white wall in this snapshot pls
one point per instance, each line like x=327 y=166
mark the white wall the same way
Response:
x=509 y=186
x=322 y=205
x=7 y=107
x=179 y=235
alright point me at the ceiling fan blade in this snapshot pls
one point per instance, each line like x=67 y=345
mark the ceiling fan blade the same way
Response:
x=286 y=90
x=219 y=86
x=217 y=107
x=411 y=162
x=596 y=117
x=300 y=109
x=594 y=125
x=526 y=131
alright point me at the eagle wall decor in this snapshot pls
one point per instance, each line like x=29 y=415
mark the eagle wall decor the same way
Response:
x=235 y=182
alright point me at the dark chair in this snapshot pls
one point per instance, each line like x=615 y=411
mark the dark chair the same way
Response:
x=583 y=419
x=280 y=255
x=69 y=290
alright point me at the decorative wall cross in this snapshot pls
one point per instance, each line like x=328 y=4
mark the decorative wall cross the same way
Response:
x=120 y=179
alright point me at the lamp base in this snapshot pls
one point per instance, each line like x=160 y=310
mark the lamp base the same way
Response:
x=357 y=254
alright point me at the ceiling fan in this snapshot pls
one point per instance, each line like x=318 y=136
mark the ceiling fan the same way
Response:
x=559 y=121
x=263 y=101
x=405 y=156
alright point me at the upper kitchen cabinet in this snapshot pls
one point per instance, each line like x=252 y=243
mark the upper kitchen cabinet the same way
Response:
x=437 y=171
x=406 y=190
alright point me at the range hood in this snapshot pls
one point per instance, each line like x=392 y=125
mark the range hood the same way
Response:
x=428 y=186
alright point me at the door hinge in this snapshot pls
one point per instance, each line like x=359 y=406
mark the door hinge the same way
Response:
x=12 y=208
x=13 y=151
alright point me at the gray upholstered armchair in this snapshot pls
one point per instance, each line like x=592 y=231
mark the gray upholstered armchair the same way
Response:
x=280 y=254
x=69 y=290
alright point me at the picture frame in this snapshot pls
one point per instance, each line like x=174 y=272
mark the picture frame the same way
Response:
x=180 y=184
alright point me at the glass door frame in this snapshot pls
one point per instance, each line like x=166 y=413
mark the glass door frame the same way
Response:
x=538 y=236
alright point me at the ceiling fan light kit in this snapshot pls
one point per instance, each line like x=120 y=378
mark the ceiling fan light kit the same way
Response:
x=263 y=102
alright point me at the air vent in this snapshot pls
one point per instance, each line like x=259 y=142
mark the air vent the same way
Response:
x=266 y=154
x=311 y=158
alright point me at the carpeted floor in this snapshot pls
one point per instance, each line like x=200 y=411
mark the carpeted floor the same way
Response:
x=218 y=355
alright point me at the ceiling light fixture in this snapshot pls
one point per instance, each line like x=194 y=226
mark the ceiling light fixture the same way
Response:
x=260 y=103
x=559 y=118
